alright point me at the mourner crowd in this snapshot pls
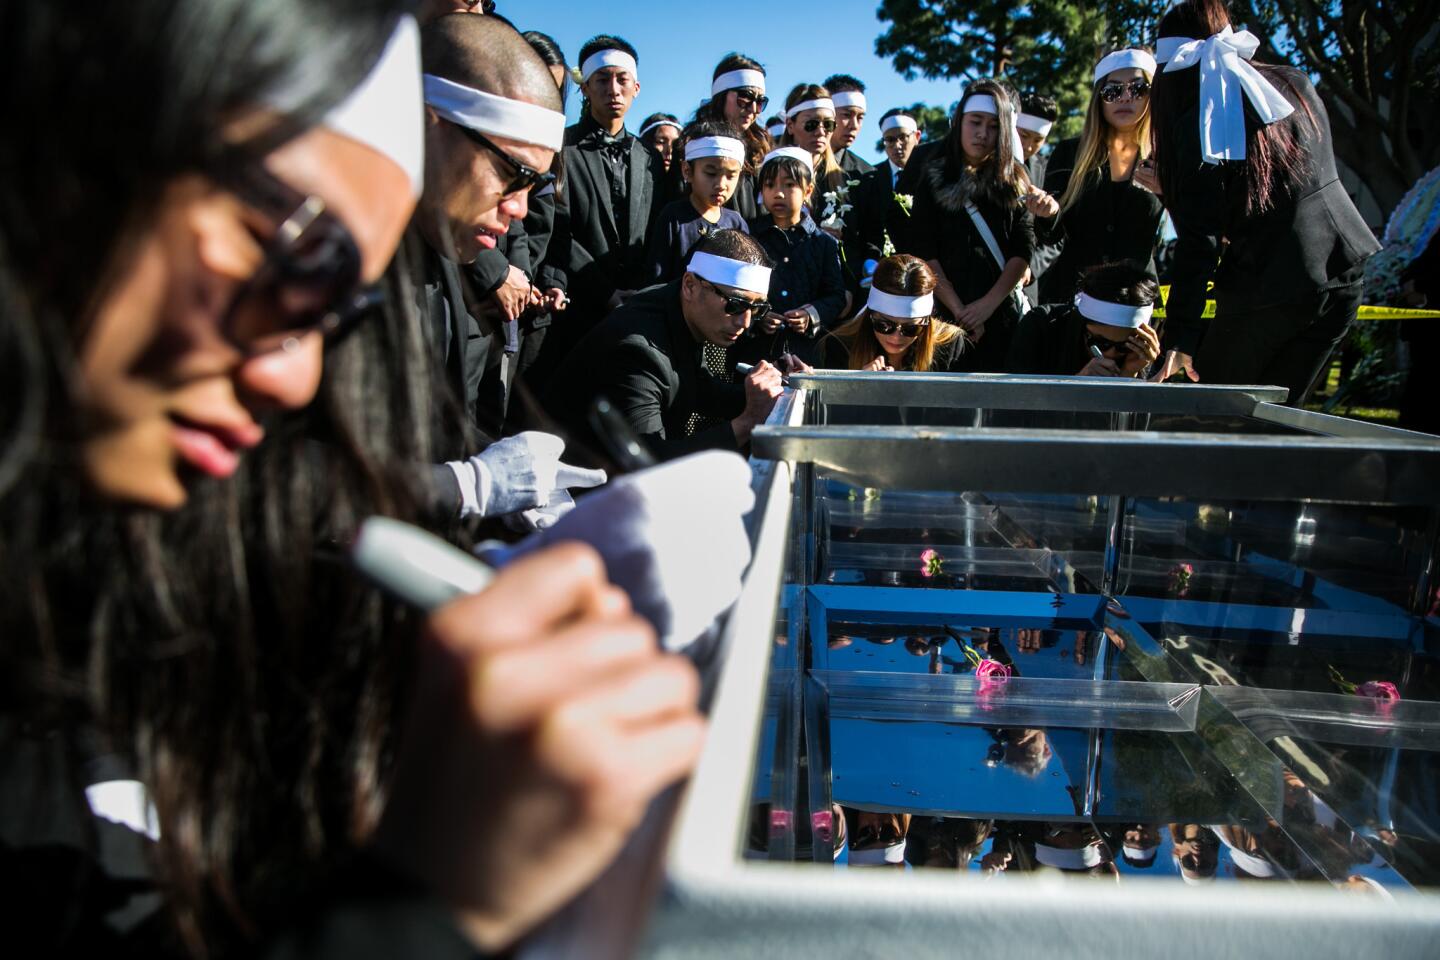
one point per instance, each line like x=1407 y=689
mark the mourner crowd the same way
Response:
x=269 y=268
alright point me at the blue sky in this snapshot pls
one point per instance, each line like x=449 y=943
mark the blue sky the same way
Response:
x=680 y=43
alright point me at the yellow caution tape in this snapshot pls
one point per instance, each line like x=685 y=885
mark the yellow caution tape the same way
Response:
x=1366 y=312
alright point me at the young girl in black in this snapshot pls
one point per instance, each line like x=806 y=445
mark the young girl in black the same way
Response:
x=807 y=291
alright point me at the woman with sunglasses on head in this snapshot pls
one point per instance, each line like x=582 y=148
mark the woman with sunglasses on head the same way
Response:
x=1245 y=164
x=1105 y=215
x=971 y=220
x=737 y=98
x=198 y=719
x=899 y=327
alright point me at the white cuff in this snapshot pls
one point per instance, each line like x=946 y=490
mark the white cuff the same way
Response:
x=474 y=481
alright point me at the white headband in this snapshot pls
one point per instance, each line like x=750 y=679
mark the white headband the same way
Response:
x=848 y=98
x=878 y=856
x=824 y=103
x=776 y=129
x=736 y=79
x=899 y=121
x=657 y=125
x=500 y=116
x=1189 y=880
x=1143 y=854
x=1251 y=864
x=794 y=153
x=731 y=273
x=1113 y=314
x=1028 y=121
x=727 y=147
x=1062 y=859
x=601 y=59
x=897 y=306
x=385 y=112
x=1225 y=77
x=1121 y=59
x=980 y=103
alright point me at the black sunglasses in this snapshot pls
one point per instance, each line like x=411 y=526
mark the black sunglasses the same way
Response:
x=888 y=327
x=810 y=126
x=1139 y=89
x=734 y=305
x=1103 y=344
x=896 y=140
x=744 y=98
x=525 y=178
x=309 y=281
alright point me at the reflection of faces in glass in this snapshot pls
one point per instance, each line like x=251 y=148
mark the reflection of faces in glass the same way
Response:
x=871 y=830
x=1026 y=750
x=1196 y=849
x=166 y=394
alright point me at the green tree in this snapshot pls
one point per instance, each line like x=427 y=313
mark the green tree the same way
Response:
x=1045 y=46
x=1377 y=68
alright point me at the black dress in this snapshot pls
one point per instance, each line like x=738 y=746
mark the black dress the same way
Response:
x=1109 y=221
x=941 y=230
x=1287 y=286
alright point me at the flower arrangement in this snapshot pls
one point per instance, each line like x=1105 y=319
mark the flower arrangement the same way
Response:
x=1384 y=693
x=837 y=204
x=931 y=563
x=1178 y=582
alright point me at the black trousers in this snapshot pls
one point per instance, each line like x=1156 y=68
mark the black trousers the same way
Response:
x=1287 y=345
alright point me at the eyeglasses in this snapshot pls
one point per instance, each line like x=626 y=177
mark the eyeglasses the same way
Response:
x=736 y=305
x=810 y=126
x=897 y=140
x=309 y=281
x=1139 y=89
x=525 y=178
x=1121 y=347
x=745 y=99
x=888 y=327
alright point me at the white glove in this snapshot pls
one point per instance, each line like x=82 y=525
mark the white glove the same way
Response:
x=517 y=473
x=672 y=537
x=541 y=518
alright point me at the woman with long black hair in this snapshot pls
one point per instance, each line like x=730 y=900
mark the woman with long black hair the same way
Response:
x=737 y=98
x=200 y=740
x=972 y=222
x=1245 y=165
x=1105 y=217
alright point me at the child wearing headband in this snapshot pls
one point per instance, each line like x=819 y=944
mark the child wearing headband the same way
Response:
x=714 y=155
x=899 y=328
x=807 y=288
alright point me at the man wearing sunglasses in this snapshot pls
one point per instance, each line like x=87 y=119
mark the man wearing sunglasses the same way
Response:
x=849 y=96
x=1106 y=332
x=646 y=357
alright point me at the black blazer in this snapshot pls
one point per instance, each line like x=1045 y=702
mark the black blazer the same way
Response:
x=645 y=361
x=1310 y=239
x=854 y=166
x=1049 y=341
x=599 y=260
x=897 y=222
x=870 y=202
x=1109 y=221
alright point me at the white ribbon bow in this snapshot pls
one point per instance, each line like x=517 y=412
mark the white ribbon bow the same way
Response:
x=1225 y=74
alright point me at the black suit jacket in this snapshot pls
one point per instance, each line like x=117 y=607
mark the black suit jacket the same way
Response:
x=870 y=203
x=896 y=220
x=854 y=166
x=599 y=260
x=1310 y=239
x=645 y=361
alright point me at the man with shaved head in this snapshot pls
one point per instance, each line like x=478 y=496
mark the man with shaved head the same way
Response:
x=493 y=124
